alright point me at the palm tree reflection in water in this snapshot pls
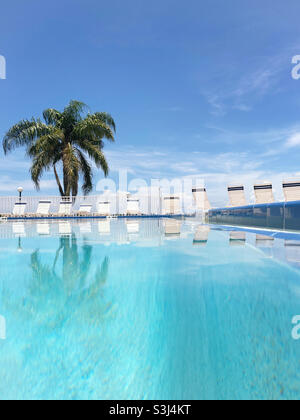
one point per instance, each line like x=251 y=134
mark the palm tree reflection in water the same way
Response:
x=70 y=287
x=58 y=325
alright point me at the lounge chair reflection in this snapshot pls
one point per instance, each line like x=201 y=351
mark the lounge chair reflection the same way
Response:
x=19 y=229
x=172 y=227
x=104 y=227
x=133 y=226
x=201 y=235
x=85 y=227
x=64 y=228
x=43 y=229
x=292 y=251
x=263 y=241
x=237 y=238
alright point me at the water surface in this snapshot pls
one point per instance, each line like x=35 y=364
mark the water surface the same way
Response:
x=146 y=309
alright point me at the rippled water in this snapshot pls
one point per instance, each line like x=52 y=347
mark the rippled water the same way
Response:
x=146 y=309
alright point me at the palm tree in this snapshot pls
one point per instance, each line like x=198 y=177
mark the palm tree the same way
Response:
x=65 y=138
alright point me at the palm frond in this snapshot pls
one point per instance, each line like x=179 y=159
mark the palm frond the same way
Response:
x=24 y=133
x=75 y=109
x=93 y=128
x=45 y=152
x=72 y=137
x=41 y=163
x=106 y=119
x=50 y=143
x=52 y=116
x=96 y=155
x=101 y=276
x=87 y=173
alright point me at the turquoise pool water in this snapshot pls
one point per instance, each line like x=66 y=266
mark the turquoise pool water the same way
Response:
x=146 y=309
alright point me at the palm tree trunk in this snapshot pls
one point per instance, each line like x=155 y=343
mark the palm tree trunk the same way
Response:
x=61 y=191
x=66 y=185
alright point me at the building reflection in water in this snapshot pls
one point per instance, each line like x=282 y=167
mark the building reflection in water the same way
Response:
x=201 y=235
x=237 y=238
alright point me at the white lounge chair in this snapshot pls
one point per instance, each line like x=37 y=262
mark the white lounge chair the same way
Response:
x=19 y=209
x=43 y=208
x=201 y=235
x=291 y=190
x=133 y=207
x=104 y=208
x=2 y=328
x=171 y=205
x=264 y=193
x=237 y=196
x=65 y=208
x=201 y=199
x=85 y=209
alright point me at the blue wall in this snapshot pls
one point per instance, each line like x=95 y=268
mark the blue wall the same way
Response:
x=276 y=216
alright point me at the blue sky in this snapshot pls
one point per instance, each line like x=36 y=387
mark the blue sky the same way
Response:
x=197 y=88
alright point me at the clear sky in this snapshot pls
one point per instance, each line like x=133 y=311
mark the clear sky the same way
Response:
x=196 y=87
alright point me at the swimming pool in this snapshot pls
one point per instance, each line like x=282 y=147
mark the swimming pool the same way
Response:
x=147 y=309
